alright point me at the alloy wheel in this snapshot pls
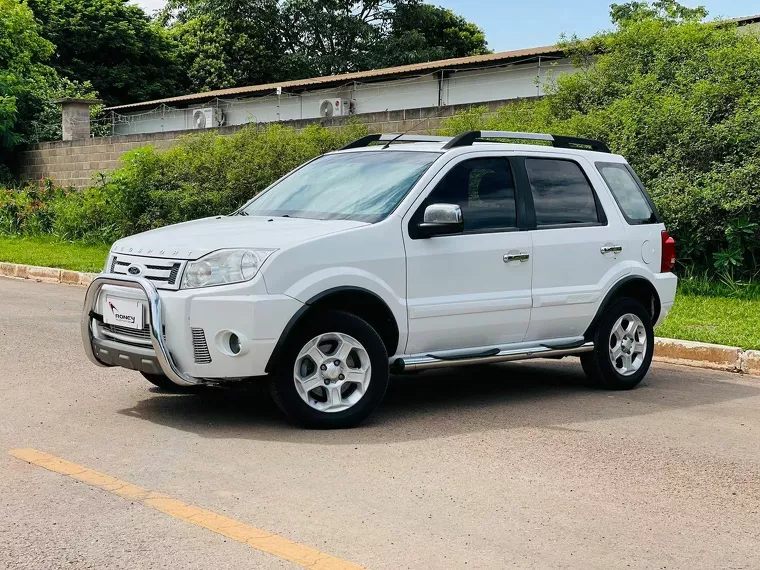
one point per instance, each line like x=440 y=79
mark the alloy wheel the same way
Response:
x=628 y=344
x=332 y=372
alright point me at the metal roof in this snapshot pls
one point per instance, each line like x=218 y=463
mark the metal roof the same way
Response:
x=475 y=60
x=744 y=20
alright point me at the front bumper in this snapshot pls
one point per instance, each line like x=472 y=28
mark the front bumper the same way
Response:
x=161 y=355
x=110 y=353
x=172 y=319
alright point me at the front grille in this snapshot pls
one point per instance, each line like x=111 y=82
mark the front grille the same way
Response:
x=163 y=272
x=137 y=337
x=200 y=348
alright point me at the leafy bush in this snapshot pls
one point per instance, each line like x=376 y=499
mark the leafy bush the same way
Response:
x=207 y=174
x=30 y=210
x=203 y=175
x=681 y=101
x=706 y=285
x=91 y=215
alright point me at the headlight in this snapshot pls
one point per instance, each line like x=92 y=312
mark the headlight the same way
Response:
x=223 y=267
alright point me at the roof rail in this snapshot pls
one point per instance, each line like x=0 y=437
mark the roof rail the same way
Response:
x=369 y=139
x=558 y=141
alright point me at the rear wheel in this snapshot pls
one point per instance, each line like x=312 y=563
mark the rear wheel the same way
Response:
x=333 y=373
x=623 y=347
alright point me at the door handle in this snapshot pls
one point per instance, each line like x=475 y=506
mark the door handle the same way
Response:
x=516 y=257
x=611 y=249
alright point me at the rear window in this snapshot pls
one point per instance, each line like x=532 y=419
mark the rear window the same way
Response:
x=628 y=194
x=562 y=194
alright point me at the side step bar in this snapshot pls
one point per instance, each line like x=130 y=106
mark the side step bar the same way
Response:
x=429 y=361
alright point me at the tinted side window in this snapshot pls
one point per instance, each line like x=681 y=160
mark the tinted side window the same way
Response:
x=561 y=193
x=484 y=189
x=628 y=194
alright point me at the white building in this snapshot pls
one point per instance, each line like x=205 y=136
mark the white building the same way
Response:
x=467 y=80
x=431 y=86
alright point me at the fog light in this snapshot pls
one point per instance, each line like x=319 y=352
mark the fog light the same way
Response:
x=234 y=344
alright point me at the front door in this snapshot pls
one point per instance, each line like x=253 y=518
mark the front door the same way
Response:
x=471 y=289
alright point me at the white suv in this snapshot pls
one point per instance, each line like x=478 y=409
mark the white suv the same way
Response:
x=386 y=258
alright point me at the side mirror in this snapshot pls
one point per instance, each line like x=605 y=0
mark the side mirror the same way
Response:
x=441 y=220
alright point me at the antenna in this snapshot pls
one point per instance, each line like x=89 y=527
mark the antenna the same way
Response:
x=406 y=132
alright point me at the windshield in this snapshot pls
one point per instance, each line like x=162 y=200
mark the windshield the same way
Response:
x=361 y=186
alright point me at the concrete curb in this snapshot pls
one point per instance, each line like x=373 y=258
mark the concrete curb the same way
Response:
x=704 y=355
x=669 y=350
x=46 y=274
x=751 y=362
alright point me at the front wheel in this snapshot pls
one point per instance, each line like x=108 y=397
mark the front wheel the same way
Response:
x=623 y=347
x=333 y=373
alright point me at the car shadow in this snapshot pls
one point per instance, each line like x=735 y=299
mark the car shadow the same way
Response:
x=442 y=403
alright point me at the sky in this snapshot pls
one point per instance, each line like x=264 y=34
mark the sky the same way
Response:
x=518 y=24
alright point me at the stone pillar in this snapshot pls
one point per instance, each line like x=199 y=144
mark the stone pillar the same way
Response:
x=75 y=117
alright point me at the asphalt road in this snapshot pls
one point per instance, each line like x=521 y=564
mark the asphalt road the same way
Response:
x=506 y=466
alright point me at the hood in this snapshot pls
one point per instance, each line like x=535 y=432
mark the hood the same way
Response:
x=192 y=240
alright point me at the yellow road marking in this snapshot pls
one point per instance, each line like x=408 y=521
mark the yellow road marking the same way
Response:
x=262 y=540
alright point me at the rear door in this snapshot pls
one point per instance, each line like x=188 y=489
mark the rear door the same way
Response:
x=642 y=221
x=471 y=289
x=577 y=247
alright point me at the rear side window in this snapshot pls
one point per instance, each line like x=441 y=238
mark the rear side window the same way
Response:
x=628 y=194
x=561 y=192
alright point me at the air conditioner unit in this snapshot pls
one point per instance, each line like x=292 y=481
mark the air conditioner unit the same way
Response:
x=208 y=117
x=336 y=108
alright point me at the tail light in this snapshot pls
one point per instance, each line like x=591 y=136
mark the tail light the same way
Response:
x=668 y=261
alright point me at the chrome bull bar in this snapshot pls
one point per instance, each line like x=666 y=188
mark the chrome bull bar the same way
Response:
x=155 y=321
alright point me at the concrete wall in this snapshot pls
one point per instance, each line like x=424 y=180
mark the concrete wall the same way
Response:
x=75 y=163
x=490 y=84
x=458 y=88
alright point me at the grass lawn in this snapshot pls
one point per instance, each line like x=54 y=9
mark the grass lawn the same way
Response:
x=51 y=252
x=720 y=320
x=704 y=318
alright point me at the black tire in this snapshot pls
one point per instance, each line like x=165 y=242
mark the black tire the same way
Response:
x=282 y=384
x=165 y=384
x=598 y=365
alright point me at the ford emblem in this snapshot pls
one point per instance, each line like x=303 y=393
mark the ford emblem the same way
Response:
x=134 y=270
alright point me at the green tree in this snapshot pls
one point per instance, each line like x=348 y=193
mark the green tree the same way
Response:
x=24 y=75
x=113 y=45
x=664 y=10
x=326 y=37
x=421 y=32
x=229 y=43
x=226 y=43
x=680 y=99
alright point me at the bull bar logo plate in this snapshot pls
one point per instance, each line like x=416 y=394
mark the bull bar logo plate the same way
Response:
x=123 y=312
